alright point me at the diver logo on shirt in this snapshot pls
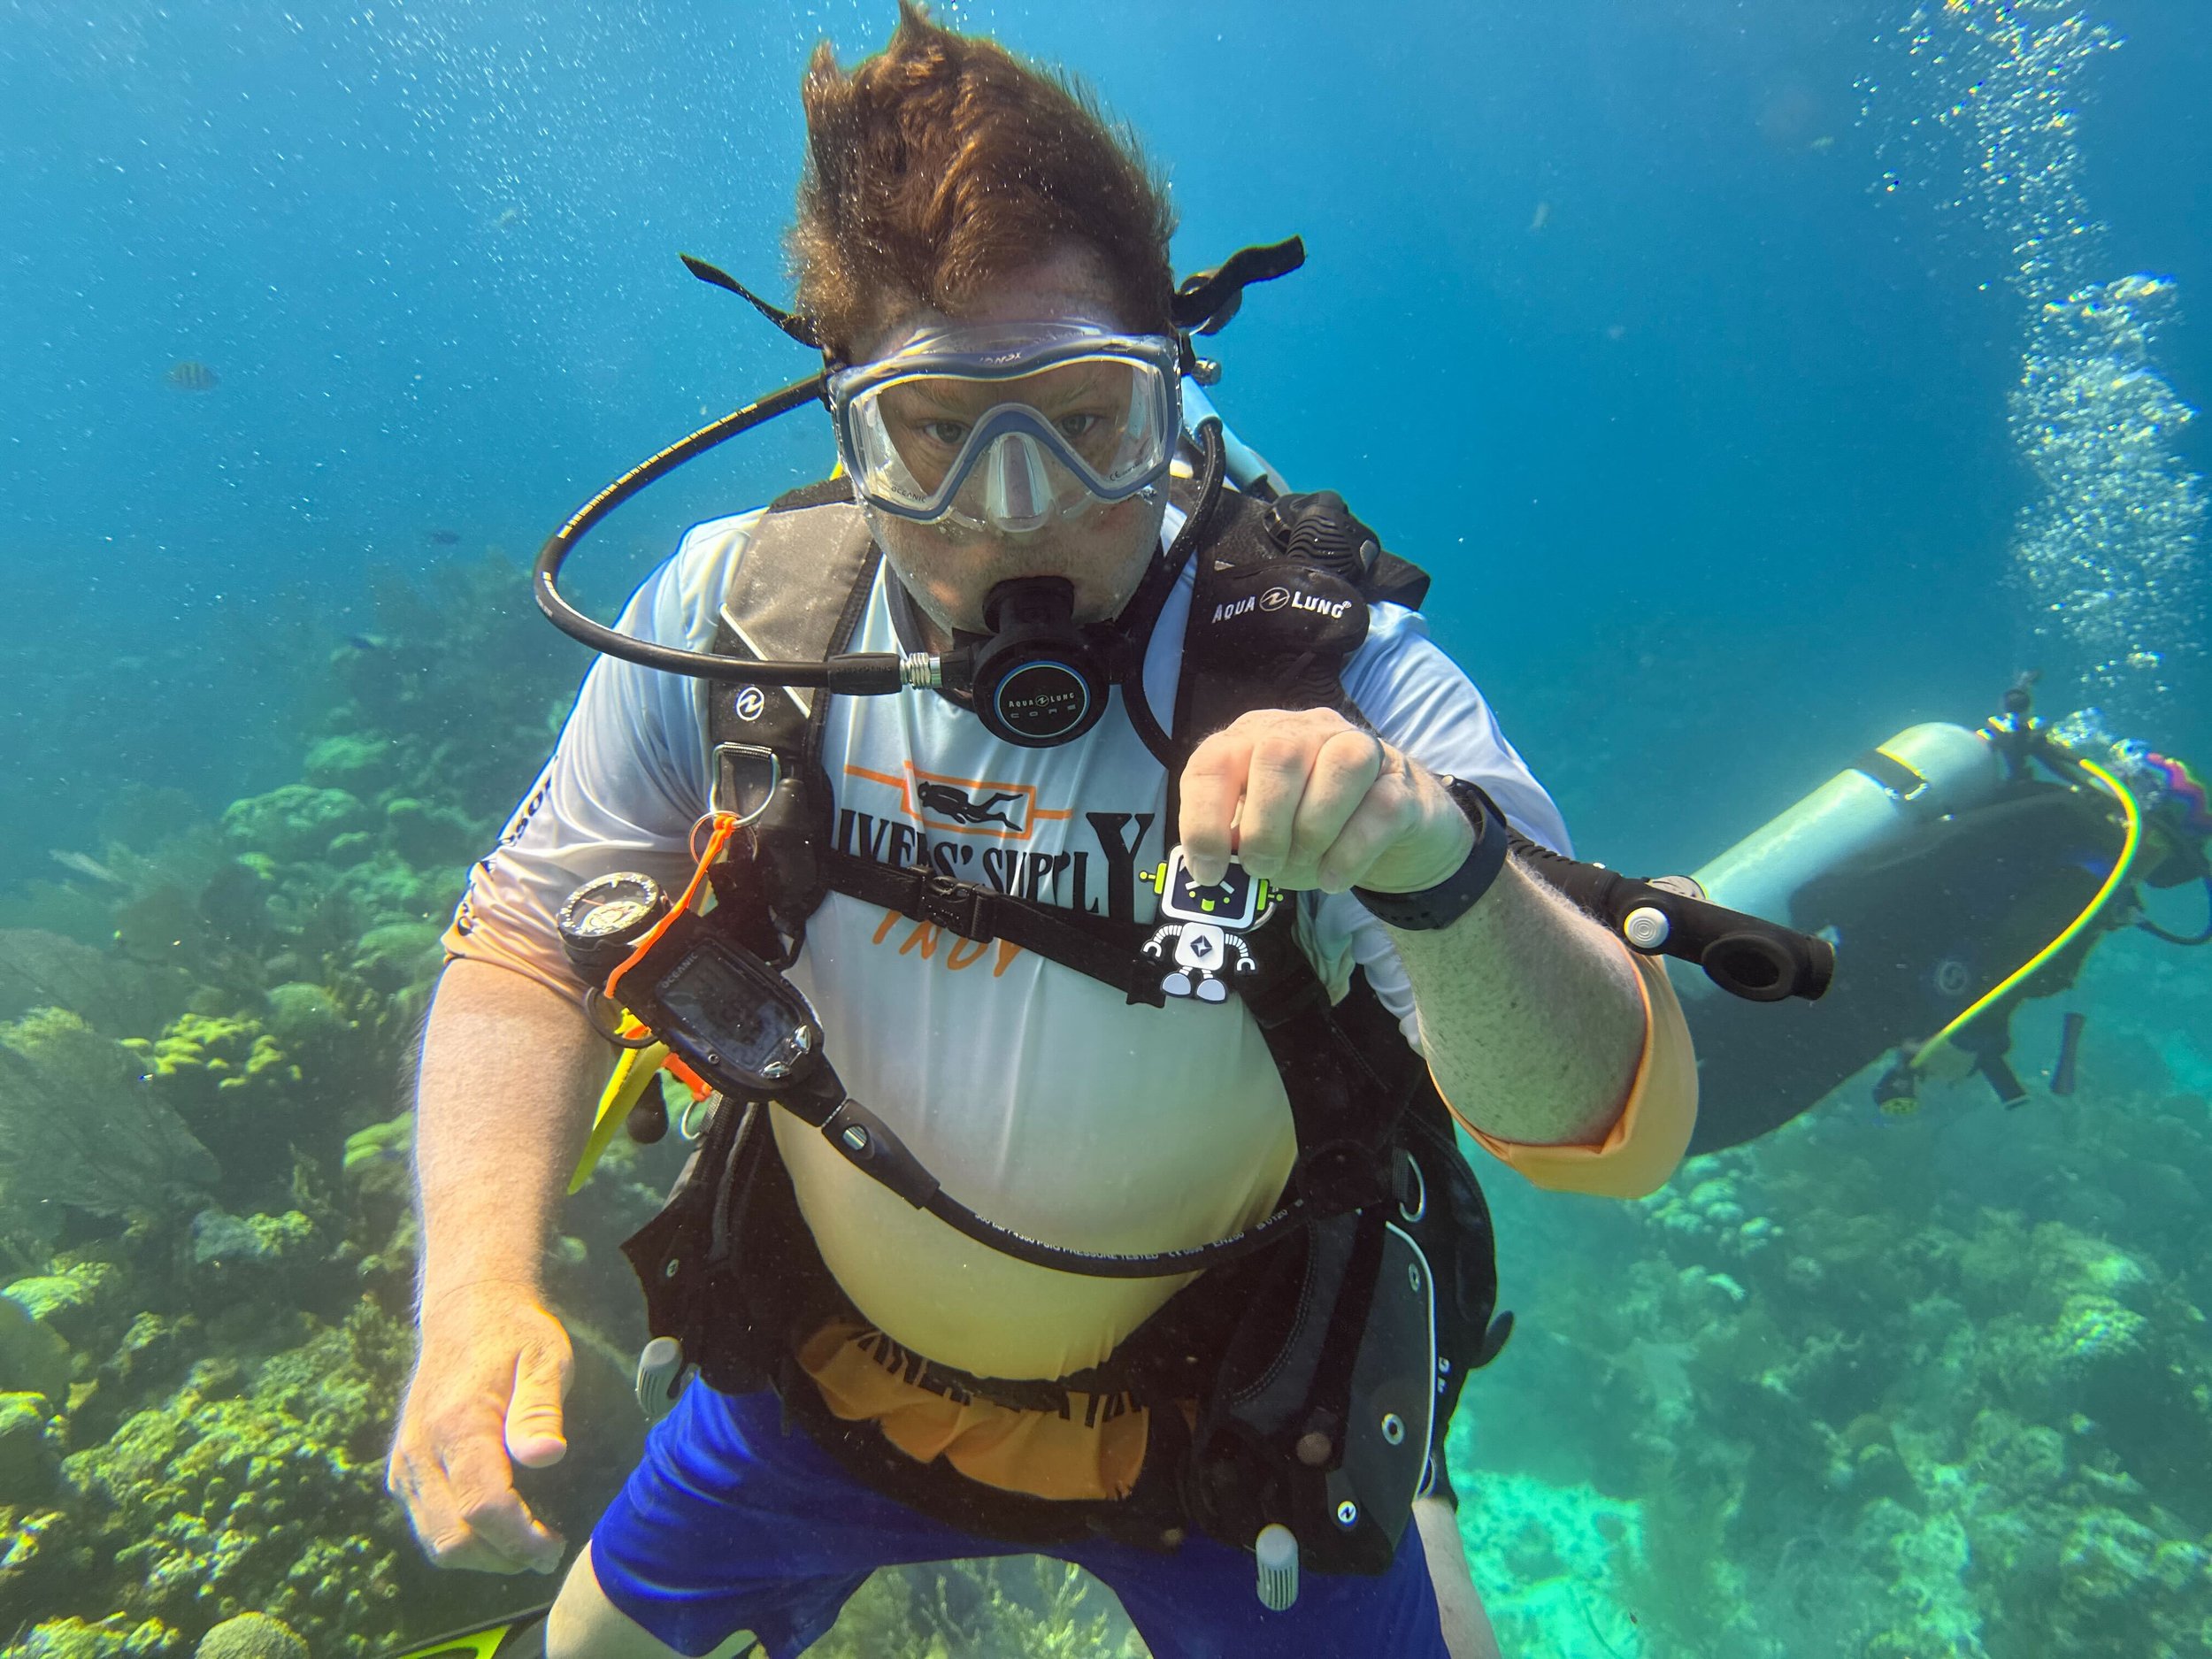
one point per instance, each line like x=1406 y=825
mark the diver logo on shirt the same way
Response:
x=949 y=801
x=946 y=805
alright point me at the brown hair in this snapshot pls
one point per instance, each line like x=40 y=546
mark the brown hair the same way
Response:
x=945 y=161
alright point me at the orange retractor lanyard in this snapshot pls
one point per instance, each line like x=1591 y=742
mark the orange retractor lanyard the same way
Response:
x=724 y=826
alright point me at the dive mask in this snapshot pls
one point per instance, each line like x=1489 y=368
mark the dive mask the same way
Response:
x=1008 y=426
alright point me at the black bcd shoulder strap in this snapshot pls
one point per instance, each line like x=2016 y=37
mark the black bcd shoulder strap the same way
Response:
x=796 y=593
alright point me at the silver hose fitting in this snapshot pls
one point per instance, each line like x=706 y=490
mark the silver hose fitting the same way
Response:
x=921 y=671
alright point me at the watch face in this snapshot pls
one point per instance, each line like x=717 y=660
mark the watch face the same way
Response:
x=609 y=910
x=612 y=918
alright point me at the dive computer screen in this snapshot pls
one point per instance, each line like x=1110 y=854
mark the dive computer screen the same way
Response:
x=715 y=1004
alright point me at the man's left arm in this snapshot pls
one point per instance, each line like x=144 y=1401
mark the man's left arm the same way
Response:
x=1558 y=1049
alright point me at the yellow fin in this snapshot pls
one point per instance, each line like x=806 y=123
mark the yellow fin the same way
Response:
x=632 y=1074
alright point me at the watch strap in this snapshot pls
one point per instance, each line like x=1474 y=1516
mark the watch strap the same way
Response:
x=1454 y=896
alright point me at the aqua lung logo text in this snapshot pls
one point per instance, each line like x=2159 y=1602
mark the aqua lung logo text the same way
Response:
x=749 y=704
x=1280 y=599
x=1330 y=608
x=1042 y=700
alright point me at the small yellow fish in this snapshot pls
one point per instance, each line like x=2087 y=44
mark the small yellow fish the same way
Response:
x=1957 y=8
x=191 y=375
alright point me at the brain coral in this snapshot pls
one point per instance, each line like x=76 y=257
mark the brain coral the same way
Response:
x=251 y=1636
x=270 y=1498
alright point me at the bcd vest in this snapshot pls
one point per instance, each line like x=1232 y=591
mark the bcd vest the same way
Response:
x=1324 y=1367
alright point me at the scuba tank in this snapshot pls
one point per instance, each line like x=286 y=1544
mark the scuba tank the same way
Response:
x=1926 y=771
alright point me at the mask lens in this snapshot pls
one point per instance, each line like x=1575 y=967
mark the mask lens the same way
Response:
x=925 y=423
x=923 y=428
x=1018 y=493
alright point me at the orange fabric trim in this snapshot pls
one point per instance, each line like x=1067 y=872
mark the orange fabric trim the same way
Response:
x=476 y=944
x=1648 y=1139
x=1039 y=1453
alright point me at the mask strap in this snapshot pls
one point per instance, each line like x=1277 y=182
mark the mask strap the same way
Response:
x=1206 y=302
x=793 y=324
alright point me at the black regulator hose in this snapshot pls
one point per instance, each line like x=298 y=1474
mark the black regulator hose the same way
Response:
x=1759 y=961
x=859 y=673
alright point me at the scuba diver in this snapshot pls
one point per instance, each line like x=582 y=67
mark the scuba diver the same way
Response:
x=1958 y=873
x=1076 y=901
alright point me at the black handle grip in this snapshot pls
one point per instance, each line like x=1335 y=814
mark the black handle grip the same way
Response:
x=1747 y=956
x=1768 y=966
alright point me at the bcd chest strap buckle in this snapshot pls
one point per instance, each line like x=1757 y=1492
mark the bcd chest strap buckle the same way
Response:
x=943 y=902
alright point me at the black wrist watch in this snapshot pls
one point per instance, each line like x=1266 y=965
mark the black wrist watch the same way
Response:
x=1455 y=895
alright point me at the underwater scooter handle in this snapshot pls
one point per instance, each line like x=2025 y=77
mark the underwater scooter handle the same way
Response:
x=858 y=673
x=1747 y=956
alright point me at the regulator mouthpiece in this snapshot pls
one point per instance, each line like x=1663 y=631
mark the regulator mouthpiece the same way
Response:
x=1037 y=679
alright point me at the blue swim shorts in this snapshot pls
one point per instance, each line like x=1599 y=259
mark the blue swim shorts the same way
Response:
x=729 y=1523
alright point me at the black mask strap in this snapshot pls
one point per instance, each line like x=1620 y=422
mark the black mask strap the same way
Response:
x=1207 y=301
x=790 y=322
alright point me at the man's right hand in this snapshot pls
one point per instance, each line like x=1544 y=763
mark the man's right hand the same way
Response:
x=488 y=1387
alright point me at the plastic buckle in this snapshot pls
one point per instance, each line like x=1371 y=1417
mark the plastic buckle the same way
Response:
x=943 y=902
x=745 y=778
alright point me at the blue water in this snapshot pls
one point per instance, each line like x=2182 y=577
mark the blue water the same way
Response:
x=1608 y=320
x=429 y=249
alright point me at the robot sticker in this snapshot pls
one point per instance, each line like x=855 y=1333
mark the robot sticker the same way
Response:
x=1202 y=930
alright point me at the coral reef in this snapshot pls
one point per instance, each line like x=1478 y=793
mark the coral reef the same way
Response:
x=80 y=1131
x=34 y=1358
x=261 y=1488
x=112 y=994
x=206 y=1256
x=1938 y=1388
x=111 y=1638
x=1022 y=1607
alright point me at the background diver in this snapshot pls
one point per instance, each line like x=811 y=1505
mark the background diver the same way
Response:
x=1959 y=872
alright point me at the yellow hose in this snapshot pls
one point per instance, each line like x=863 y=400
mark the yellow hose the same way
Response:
x=2120 y=867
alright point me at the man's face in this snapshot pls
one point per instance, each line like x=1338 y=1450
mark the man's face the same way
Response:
x=1103 y=551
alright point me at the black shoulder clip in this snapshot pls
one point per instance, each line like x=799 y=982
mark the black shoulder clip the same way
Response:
x=1316 y=528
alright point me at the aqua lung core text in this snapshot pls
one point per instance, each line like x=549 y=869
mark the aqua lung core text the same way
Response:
x=1280 y=599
